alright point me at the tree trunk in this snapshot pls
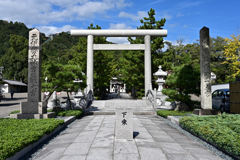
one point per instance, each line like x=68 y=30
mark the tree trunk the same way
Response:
x=69 y=101
x=46 y=99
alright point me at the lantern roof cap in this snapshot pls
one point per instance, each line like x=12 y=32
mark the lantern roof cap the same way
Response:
x=160 y=72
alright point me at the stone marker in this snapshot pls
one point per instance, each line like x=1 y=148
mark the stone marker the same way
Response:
x=206 y=95
x=124 y=123
x=34 y=108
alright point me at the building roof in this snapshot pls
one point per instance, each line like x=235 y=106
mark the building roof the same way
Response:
x=16 y=83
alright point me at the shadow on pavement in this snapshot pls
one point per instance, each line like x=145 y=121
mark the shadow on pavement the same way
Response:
x=7 y=104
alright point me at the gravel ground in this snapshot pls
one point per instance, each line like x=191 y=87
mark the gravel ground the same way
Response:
x=201 y=142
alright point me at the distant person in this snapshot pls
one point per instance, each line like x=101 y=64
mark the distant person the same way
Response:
x=12 y=92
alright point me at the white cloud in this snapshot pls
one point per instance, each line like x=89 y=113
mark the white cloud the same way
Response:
x=52 y=29
x=184 y=26
x=167 y=16
x=122 y=4
x=180 y=14
x=173 y=25
x=43 y=12
x=119 y=40
x=137 y=17
x=119 y=26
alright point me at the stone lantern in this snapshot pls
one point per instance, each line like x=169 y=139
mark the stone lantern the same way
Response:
x=160 y=74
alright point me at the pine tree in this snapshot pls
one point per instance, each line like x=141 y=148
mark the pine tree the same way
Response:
x=132 y=68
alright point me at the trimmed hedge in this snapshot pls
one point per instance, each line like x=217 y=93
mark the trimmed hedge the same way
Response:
x=76 y=113
x=222 y=130
x=16 y=134
x=165 y=113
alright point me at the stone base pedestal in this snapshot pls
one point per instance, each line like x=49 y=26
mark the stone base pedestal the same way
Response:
x=33 y=116
x=206 y=112
x=33 y=110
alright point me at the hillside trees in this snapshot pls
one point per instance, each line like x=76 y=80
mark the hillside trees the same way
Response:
x=132 y=62
x=15 y=60
x=57 y=49
x=8 y=28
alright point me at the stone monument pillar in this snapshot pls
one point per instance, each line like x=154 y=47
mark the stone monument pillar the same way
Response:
x=34 y=108
x=206 y=95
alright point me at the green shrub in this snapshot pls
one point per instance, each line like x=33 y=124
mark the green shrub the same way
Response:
x=13 y=112
x=16 y=134
x=223 y=130
x=165 y=113
x=75 y=113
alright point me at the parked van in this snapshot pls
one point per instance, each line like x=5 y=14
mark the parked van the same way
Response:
x=221 y=100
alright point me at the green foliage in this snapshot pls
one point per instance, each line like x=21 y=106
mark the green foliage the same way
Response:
x=217 y=58
x=8 y=28
x=223 y=130
x=165 y=113
x=132 y=62
x=17 y=134
x=75 y=113
x=185 y=80
x=231 y=53
x=13 y=112
x=62 y=76
x=58 y=49
x=15 y=60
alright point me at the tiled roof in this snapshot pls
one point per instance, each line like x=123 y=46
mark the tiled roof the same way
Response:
x=16 y=83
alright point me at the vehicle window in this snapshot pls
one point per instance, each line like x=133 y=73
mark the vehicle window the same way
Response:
x=214 y=94
x=220 y=93
x=228 y=94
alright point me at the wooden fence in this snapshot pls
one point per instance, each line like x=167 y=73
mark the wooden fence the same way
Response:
x=235 y=97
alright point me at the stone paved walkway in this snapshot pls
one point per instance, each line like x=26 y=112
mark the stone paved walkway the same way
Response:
x=92 y=138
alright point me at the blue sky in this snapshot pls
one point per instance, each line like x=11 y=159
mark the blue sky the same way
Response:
x=184 y=17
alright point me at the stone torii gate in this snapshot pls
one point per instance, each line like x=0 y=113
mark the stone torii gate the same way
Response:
x=119 y=33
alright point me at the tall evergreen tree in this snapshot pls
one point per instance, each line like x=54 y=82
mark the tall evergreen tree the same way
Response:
x=132 y=68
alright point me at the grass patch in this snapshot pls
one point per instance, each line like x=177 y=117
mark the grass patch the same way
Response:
x=223 y=130
x=16 y=134
x=76 y=113
x=165 y=113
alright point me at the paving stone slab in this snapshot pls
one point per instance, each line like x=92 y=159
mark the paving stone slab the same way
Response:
x=52 y=154
x=125 y=146
x=100 y=154
x=126 y=157
x=180 y=156
x=78 y=157
x=77 y=149
x=151 y=153
x=103 y=142
x=172 y=148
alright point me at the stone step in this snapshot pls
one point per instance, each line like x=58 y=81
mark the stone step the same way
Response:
x=113 y=113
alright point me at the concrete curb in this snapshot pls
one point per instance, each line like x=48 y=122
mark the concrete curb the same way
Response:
x=25 y=150
x=174 y=119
